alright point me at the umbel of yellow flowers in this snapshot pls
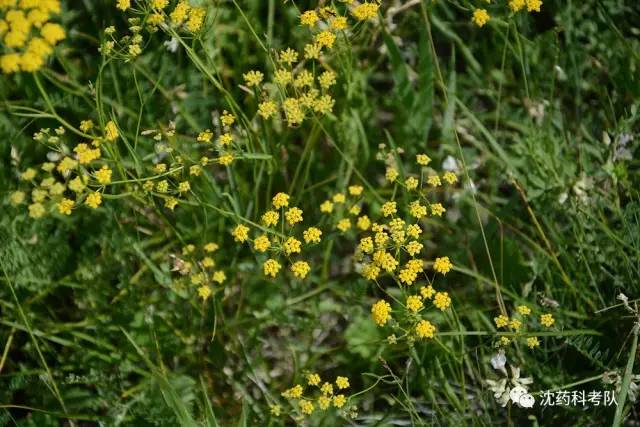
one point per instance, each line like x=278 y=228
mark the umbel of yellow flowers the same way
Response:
x=27 y=38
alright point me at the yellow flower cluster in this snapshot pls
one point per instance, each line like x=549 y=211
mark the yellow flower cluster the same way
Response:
x=480 y=16
x=279 y=234
x=516 y=324
x=76 y=178
x=319 y=395
x=300 y=87
x=27 y=37
x=197 y=270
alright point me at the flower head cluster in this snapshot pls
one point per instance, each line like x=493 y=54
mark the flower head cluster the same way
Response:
x=300 y=85
x=27 y=37
x=480 y=16
x=316 y=395
x=78 y=177
x=197 y=272
x=280 y=234
x=521 y=324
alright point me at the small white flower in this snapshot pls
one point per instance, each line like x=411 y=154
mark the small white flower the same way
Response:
x=172 y=45
x=498 y=361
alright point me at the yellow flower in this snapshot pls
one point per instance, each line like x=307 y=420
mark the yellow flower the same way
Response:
x=342 y=382
x=159 y=4
x=283 y=77
x=124 y=4
x=110 y=131
x=450 y=177
x=288 y=56
x=275 y=410
x=524 y=310
x=365 y=11
x=434 y=181
x=196 y=18
x=324 y=402
x=414 y=231
x=326 y=388
x=515 y=324
x=280 y=200
x=225 y=159
x=425 y=329
x=253 y=78
x=344 y=225
x=300 y=269
x=312 y=51
x=480 y=17
x=306 y=407
x=355 y=190
x=313 y=379
x=389 y=208
x=17 y=197
x=204 y=136
x=414 y=303
x=363 y=223
x=103 y=175
x=294 y=392
x=442 y=300
x=204 y=292
x=501 y=321
x=52 y=33
x=516 y=5
x=36 y=210
x=413 y=248
x=261 y=243
x=270 y=218
x=219 y=277
x=533 y=342
x=339 y=401
x=28 y=174
x=65 y=206
x=10 y=63
x=225 y=139
x=267 y=109
x=391 y=174
x=292 y=246
x=309 y=18
x=162 y=186
x=325 y=38
x=326 y=206
x=293 y=216
x=66 y=164
x=240 y=233
x=327 y=79
x=411 y=183
x=381 y=312
x=211 y=247
x=227 y=118
x=312 y=235
x=427 y=292
x=339 y=23
x=437 y=209
x=442 y=265
x=547 y=320
x=180 y=12
x=271 y=267
x=94 y=200
x=171 y=203
x=533 y=5
x=423 y=159
x=417 y=210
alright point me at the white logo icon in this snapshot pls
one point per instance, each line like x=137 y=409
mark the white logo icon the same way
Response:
x=521 y=396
